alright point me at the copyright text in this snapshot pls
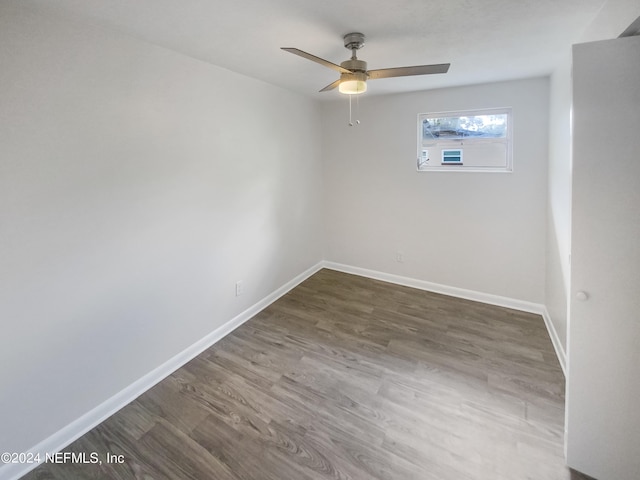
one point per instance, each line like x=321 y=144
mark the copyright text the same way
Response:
x=93 y=458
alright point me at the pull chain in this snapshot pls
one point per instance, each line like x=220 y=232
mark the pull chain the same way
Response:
x=357 y=111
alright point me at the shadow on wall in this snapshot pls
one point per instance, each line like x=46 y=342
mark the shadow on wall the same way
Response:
x=575 y=475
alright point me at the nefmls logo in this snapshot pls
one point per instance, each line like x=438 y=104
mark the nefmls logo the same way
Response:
x=72 y=457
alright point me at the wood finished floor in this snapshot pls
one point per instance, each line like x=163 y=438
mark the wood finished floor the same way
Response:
x=349 y=378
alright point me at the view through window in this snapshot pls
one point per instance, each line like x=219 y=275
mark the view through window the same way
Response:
x=477 y=140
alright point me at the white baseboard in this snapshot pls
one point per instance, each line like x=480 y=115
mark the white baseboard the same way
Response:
x=487 y=298
x=439 y=288
x=91 y=419
x=555 y=340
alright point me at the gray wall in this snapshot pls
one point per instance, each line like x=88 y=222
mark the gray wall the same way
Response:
x=136 y=187
x=612 y=19
x=557 y=276
x=483 y=232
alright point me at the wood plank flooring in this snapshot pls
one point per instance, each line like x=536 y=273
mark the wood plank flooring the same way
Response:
x=353 y=379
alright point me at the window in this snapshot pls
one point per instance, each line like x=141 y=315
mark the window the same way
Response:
x=478 y=141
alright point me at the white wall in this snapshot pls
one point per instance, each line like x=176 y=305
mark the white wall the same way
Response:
x=557 y=279
x=136 y=186
x=477 y=231
x=612 y=19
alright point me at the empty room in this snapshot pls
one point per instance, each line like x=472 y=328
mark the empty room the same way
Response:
x=354 y=240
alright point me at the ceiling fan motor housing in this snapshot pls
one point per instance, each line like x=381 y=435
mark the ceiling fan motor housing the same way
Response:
x=354 y=65
x=354 y=40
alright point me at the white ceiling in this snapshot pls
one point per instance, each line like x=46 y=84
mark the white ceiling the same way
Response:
x=484 y=40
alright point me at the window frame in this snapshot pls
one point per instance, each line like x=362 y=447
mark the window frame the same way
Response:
x=459 y=144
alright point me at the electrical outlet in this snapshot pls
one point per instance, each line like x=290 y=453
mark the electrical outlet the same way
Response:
x=239 y=288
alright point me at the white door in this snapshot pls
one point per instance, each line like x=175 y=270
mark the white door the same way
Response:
x=603 y=383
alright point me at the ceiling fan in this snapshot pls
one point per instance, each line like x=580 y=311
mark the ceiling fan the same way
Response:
x=354 y=73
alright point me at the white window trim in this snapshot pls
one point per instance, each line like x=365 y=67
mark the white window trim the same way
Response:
x=457 y=144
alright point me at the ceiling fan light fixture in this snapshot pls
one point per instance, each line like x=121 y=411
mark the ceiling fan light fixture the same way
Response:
x=354 y=72
x=353 y=83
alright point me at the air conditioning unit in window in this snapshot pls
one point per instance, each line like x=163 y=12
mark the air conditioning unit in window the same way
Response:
x=452 y=157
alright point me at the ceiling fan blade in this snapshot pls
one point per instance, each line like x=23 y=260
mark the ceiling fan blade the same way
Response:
x=319 y=60
x=331 y=86
x=407 y=71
